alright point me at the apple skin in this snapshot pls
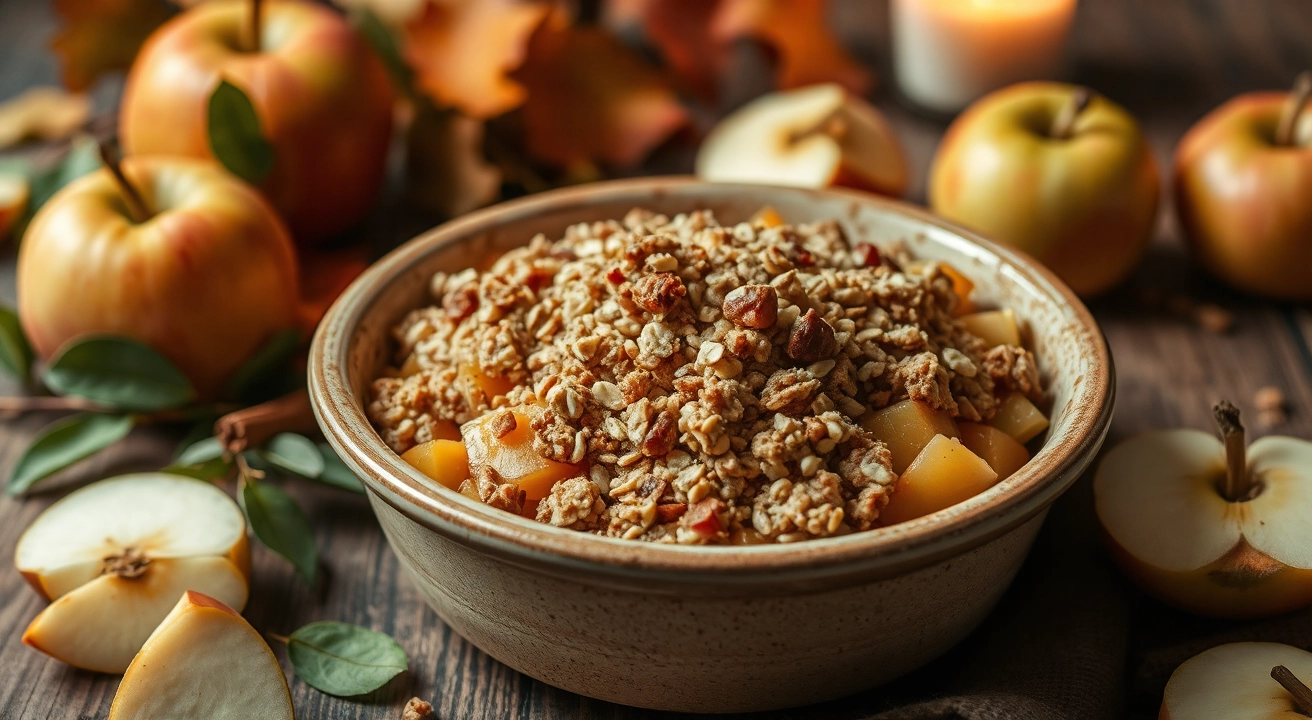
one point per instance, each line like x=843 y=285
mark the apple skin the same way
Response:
x=1270 y=588
x=205 y=282
x=1085 y=207
x=324 y=101
x=1243 y=201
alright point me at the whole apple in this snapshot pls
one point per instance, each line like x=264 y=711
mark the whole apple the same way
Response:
x=1055 y=171
x=1244 y=194
x=206 y=279
x=323 y=98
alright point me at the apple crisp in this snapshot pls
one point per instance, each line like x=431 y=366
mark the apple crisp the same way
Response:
x=697 y=383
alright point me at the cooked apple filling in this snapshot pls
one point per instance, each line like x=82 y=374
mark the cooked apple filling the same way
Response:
x=675 y=380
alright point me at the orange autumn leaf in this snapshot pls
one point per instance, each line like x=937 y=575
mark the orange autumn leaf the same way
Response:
x=798 y=31
x=681 y=30
x=100 y=36
x=462 y=50
x=593 y=100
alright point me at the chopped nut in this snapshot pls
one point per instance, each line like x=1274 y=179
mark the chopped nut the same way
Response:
x=502 y=424
x=658 y=293
x=669 y=512
x=1214 y=318
x=811 y=339
x=417 y=709
x=751 y=306
x=461 y=302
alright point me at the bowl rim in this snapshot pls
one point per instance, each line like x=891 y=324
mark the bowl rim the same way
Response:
x=890 y=550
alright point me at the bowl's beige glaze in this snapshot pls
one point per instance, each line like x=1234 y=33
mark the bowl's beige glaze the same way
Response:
x=710 y=629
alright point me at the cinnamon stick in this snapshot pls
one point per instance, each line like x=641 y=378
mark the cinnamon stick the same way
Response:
x=254 y=425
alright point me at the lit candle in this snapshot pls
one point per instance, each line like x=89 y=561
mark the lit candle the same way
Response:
x=948 y=53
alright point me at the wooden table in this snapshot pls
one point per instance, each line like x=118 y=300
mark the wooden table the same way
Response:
x=1169 y=61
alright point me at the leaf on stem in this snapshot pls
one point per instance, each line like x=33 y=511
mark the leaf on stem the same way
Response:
x=384 y=42
x=235 y=135
x=201 y=451
x=15 y=351
x=261 y=376
x=295 y=454
x=100 y=36
x=591 y=100
x=280 y=524
x=120 y=373
x=461 y=52
x=212 y=469
x=64 y=443
x=336 y=473
x=344 y=660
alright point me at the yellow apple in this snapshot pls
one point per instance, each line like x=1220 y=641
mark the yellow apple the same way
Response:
x=1073 y=184
x=1244 y=195
x=205 y=280
x=1187 y=534
x=816 y=136
x=203 y=662
x=114 y=556
x=1235 y=682
x=323 y=98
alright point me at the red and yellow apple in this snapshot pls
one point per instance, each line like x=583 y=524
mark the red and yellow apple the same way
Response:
x=323 y=98
x=1187 y=534
x=1071 y=182
x=205 y=280
x=815 y=136
x=1244 y=195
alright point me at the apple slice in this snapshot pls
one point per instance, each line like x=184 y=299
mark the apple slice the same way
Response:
x=1233 y=682
x=507 y=447
x=14 y=194
x=994 y=327
x=906 y=428
x=203 y=662
x=1205 y=528
x=816 y=136
x=942 y=475
x=116 y=554
x=1019 y=418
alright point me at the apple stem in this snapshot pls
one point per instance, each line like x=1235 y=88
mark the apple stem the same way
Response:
x=254 y=425
x=1063 y=126
x=1237 y=484
x=136 y=206
x=1289 y=681
x=1293 y=109
x=285 y=640
x=257 y=21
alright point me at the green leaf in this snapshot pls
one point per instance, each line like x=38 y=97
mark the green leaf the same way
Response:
x=201 y=451
x=295 y=454
x=279 y=523
x=199 y=430
x=259 y=378
x=15 y=352
x=208 y=470
x=83 y=157
x=344 y=660
x=389 y=51
x=235 y=135
x=64 y=443
x=120 y=373
x=336 y=473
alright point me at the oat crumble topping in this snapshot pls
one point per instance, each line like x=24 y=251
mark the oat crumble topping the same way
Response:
x=706 y=379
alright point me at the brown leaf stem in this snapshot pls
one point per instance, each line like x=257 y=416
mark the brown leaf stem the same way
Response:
x=257 y=25
x=10 y=406
x=1237 y=482
x=1293 y=108
x=136 y=205
x=1289 y=681
x=254 y=425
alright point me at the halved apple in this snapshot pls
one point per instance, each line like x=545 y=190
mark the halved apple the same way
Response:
x=815 y=136
x=1163 y=506
x=203 y=662
x=115 y=555
x=1234 y=682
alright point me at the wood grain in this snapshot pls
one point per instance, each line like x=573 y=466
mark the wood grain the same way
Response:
x=1168 y=61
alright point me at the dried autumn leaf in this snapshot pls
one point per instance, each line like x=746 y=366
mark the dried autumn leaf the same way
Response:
x=592 y=100
x=42 y=113
x=447 y=172
x=681 y=30
x=798 y=31
x=98 y=36
x=462 y=50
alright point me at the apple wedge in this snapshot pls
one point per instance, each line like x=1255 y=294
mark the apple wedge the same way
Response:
x=816 y=136
x=115 y=555
x=1234 y=682
x=203 y=662
x=1187 y=532
x=14 y=194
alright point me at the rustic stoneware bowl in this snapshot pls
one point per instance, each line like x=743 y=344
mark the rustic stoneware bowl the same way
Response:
x=722 y=628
